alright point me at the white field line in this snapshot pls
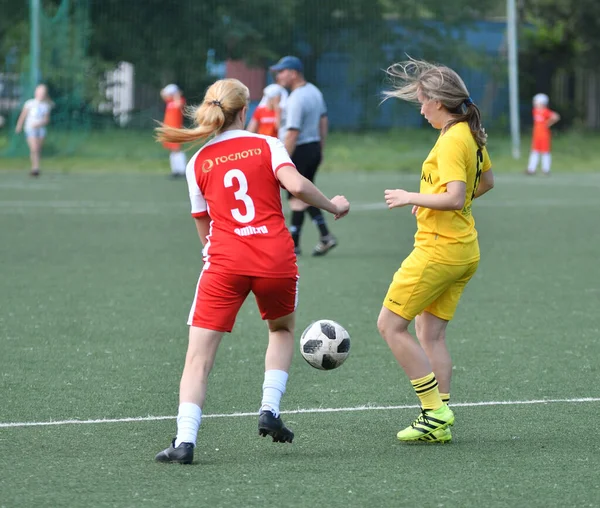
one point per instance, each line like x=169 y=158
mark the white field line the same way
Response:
x=123 y=205
x=303 y=411
x=90 y=207
x=532 y=203
x=9 y=181
x=106 y=208
x=557 y=180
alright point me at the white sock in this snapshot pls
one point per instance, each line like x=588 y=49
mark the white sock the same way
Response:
x=173 y=162
x=546 y=162
x=188 y=423
x=179 y=162
x=534 y=159
x=273 y=389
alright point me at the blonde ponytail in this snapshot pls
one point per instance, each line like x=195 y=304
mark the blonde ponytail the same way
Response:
x=222 y=102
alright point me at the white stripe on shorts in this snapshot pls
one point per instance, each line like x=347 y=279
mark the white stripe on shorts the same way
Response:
x=297 y=292
x=191 y=315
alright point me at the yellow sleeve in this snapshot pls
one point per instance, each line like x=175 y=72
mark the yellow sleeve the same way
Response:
x=451 y=160
x=487 y=162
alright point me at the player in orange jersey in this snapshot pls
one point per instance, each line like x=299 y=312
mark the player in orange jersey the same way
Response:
x=267 y=115
x=543 y=119
x=175 y=103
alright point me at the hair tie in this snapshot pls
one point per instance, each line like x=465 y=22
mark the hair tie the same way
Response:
x=468 y=101
x=217 y=103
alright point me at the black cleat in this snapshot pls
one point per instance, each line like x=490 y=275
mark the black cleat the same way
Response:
x=325 y=245
x=297 y=250
x=183 y=454
x=268 y=425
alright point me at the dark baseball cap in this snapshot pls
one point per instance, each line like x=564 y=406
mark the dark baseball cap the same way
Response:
x=288 y=62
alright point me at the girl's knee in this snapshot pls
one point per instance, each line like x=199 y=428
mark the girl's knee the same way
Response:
x=381 y=325
x=430 y=338
x=284 y=324
x=418 y=326
x=389 y=323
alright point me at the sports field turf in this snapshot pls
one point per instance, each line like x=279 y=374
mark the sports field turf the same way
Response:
x=98 y=272
x=402 y=150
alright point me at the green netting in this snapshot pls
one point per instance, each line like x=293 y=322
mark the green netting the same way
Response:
x=105 y=61
x=64 y=36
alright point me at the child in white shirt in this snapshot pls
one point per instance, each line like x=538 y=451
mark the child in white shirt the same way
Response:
x=36 y=116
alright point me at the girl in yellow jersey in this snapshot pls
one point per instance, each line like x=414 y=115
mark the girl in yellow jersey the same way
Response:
x=431 y=279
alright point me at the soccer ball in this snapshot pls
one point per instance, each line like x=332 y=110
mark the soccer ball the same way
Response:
x=325 y=344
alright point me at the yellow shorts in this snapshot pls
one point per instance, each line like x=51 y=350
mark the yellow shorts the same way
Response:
x=424 y=285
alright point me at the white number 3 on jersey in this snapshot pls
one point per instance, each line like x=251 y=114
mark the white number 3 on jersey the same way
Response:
x=240 y=195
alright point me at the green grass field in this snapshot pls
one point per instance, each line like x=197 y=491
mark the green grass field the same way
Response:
x=399 y=151
x=98 y=272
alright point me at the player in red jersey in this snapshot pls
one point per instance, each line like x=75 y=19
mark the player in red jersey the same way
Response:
x=174 y=106
x=267 y=115
x=543 y=119
x=234 y=182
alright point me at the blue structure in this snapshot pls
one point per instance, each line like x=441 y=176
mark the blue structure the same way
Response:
x=352 y=87
x=354 y=102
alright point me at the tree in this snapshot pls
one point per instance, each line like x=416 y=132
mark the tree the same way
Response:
x=560 y=39
x=14 y=33
x=568 y=29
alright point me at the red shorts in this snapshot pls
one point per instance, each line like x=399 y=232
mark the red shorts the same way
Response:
x=219 y=297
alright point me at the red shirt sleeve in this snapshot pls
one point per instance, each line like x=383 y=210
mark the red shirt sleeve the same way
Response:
x=257 y=114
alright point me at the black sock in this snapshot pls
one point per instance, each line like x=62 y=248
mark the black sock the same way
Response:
x=296 y=226
x=318 y=219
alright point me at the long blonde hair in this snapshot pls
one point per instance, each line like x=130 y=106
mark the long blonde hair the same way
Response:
x=439 y=83
x=223 y=100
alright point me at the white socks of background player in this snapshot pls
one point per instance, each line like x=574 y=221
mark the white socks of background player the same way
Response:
x=546 y=162
x=534 y=159
x=273 y=390
x=178 y=163
x=188 y=423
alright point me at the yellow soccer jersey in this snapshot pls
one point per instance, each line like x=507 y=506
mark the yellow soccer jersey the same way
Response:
x=450 y=236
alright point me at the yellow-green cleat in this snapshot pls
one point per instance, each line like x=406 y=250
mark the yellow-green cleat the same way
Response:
x=428 y=424
x=438 y=436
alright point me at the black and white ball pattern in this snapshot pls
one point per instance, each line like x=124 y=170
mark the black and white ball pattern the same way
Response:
x=325 y=344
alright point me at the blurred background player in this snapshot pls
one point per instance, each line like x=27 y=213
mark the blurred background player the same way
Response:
x=267 y=115
x=36 y=116
x=175 y=104
x=543 y=119
x=303 y=130
x=234 y=184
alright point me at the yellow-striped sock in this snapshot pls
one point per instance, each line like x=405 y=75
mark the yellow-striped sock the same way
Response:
x=445 y=397
x=427 y=391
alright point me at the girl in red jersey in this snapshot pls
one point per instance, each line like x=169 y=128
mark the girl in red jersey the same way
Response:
x=175 y=103
x=543 y=119
x=234 y=183
x=267 y=115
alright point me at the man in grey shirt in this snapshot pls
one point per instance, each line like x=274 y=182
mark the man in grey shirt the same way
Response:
x=303 y=131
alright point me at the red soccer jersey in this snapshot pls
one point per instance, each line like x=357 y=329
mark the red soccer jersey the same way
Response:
x=174 y=113
x=174 y=118
x=232 y=178
x=541 y=132
x=267 y=119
